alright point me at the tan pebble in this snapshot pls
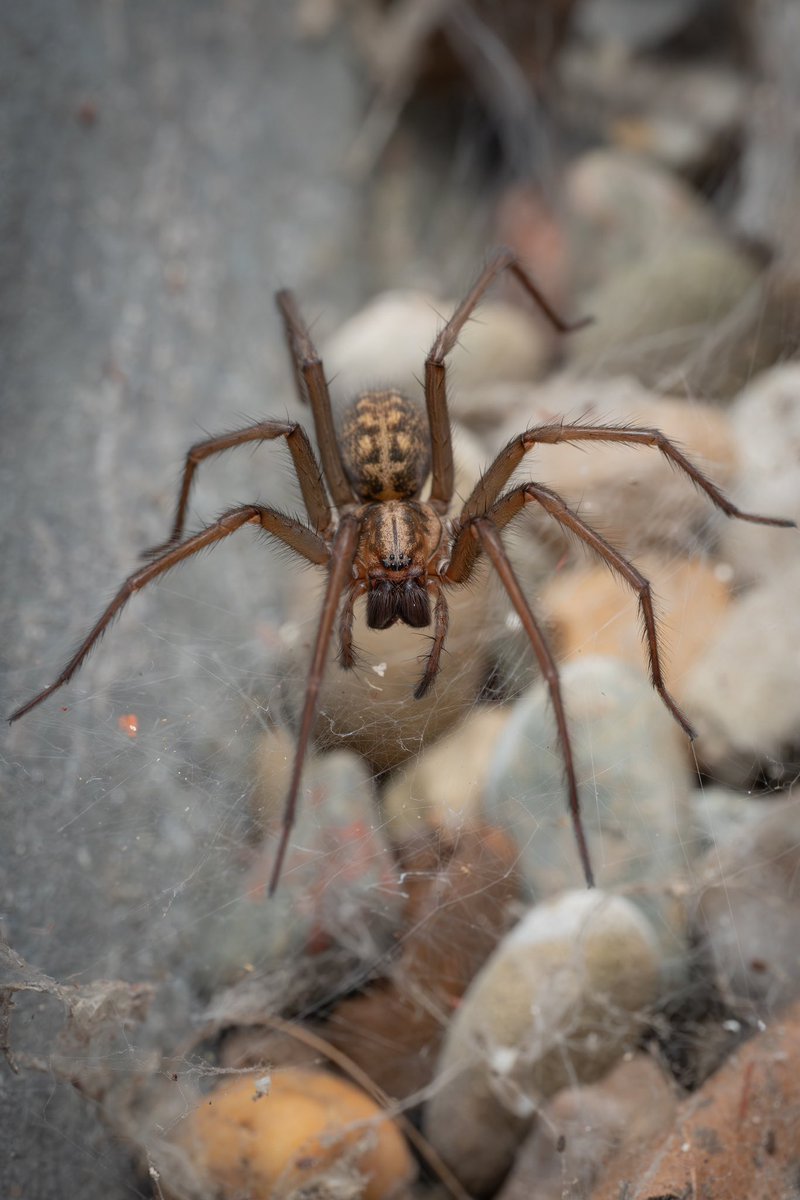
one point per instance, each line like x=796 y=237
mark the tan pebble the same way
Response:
x=765 y=419
x=385 y=344
x=442 y=788
x=371 y=709
x=272 y=760
x=657 y=317
x=632 y=494
x=742 y=693
x=594 y=612
x=304 y=1125
x=561 y=999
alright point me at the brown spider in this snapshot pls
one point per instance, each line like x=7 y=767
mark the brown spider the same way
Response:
x=379 y=540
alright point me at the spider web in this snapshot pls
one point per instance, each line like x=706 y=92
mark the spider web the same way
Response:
x=139 y=791
x=157 y=777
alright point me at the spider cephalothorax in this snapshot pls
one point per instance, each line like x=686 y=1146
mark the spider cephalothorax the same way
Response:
x=400 y=539
x=377 y=539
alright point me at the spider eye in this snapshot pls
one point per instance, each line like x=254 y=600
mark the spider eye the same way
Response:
x=381 y=605
x=413 y=605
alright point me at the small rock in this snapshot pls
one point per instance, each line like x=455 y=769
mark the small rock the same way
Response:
x=631 y=764
x=719 y=814
x=736 y=1136
x=656 y=316
x=768 y=183
x=747 y=906
x=561 y=999
x=460 y=900
x=371 y=709
x=765 y=421
x=632 y=494
x=386 y=343
x=583 y=1127
x=592 y=612
x=686 y=117
x=742 y=694
x=340 y=884
x=526 y=221
x=304 y=1129
x=623 y=208
x=442 y=788
x=643 y=27
x=762 y=330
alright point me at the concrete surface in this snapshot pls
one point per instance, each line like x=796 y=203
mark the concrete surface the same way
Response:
x=165 y=168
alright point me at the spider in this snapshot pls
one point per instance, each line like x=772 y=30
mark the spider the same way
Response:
x=377 y=539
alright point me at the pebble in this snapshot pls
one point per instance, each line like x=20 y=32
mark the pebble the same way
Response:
x=462 y=895
x=746 y=906
x=294 y=1131
x=719 y=814
x=656 y=318
x=563 y=997
x=592 y=612
x=442 y=788
x=339 y=897
x=526 y=220
x=631 y=493
x=765 y=422
x=371 y=709
x=633 y=774
x=644 y=27
x=736 y=1136
x=622 y=208
x=387 y=341
x=686 y=117
x=742 y=694
x=583 y=1127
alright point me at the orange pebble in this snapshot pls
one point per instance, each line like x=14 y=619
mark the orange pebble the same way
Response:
x=593 y=612
x=268 y=1141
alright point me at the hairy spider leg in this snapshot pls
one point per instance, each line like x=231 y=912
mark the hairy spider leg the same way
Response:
x=312 y=388
x=483 y=530
x=342 y=556
x=513 y=503
x=441 y=622
x=497 y=475
x=443 y=473
x=306 y=467
x=484 y=515
x=491 y=483
x=289 y=531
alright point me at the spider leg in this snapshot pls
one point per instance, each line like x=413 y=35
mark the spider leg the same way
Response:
x=312 y=388
x=347 y=656
x=435 y=370
x=487 y=533
x=294 y=535
x=511 y=504
x=341 y=562
x=497 y=475
x=306 y=468
x=441 y=621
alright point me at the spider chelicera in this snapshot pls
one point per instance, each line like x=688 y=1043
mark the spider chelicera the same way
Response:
x=377 y=539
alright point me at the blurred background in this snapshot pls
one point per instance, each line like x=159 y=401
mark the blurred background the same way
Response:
x=167 y=167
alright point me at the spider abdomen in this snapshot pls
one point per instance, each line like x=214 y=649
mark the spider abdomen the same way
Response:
x=384 y=440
